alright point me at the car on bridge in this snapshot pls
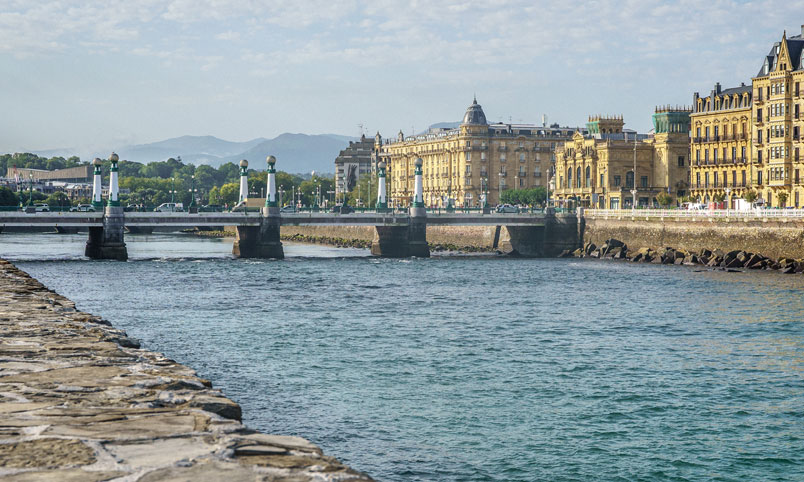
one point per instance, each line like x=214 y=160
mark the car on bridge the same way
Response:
x=288 y=209
x=169 y=207
x=42 y=208
x=83 y=208
x=342 y=208
x=507 y=208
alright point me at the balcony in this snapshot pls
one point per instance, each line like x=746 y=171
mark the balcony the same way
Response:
x=503 y=174
x=502 y=148
x=537 y=174
x=522 y=174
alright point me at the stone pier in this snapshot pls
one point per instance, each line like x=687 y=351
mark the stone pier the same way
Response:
x=260 y=241
x=107 y=242
x=80 y=401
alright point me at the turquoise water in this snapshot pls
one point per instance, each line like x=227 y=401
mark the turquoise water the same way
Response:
x=471 y=368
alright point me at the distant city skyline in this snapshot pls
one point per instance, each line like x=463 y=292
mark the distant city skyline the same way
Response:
x=105 y=74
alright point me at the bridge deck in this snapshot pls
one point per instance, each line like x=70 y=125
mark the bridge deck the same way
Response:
x=186 y=220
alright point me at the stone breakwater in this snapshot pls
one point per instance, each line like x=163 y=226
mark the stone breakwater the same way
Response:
x=80 y=401
x=348 y=237
x=616 y=249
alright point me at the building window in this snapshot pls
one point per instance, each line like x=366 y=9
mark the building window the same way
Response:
x=714 y=155
x=706 y=179
x=759 y=157
x=629 y=179
x=578 y=177
x=502 y=157
x=569 y=177
x=743 y=177
x=680 y=161
x=697 y=179
x=588 y=176
x=759 y=177
x=522 y=158
x=706 y=156
x=643 y=180
x=617 y=181
x=697 y=156
x=715 y=179
x=601 y=181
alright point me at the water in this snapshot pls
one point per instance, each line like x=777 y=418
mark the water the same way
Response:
x=471 y=368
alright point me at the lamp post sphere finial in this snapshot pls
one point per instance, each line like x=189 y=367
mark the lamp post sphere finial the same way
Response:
x=243 y=163
x=381 y=165
x=418 y=162
x=114 y=157
x=97 y=161
x=271 y=160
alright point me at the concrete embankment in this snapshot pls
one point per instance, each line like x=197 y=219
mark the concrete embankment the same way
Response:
x=466 y=238
x=80 y=401
x=772 y=237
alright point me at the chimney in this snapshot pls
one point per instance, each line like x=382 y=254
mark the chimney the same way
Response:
x=717 y=87
x=802 y=30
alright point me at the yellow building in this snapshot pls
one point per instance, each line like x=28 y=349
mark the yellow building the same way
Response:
x=474 y=159
x=720 y=144
x=749 y=138
x=778 y=124
x=610 y=167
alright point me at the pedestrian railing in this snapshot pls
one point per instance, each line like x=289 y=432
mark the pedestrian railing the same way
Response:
x=695 y=213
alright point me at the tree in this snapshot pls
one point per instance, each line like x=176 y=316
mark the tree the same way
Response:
x=750 y=196
x=664 y=199
x=359 y=192
x=229 y=194
x=782 y=196
x=719 y=197
x=58 y=200
x=8 y=198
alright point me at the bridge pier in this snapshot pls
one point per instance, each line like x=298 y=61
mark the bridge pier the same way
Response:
x=525 y=241
x=107 y=242
x=262 y=241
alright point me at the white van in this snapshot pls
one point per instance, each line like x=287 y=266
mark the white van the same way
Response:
x=169 y=208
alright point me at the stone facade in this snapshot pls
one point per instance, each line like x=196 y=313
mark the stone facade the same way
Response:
x=597 y=169
x=476 y=159
x=749 y=138
x=721 y=144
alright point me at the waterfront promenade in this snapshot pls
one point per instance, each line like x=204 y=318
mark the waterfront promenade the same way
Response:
x=80 y=401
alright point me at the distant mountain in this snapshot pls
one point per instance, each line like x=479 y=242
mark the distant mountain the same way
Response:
x=296 y=153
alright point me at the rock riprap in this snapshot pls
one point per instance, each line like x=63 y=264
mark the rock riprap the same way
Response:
x=80 y=401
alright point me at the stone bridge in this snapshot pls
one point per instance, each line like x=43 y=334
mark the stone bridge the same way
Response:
x=397 y=235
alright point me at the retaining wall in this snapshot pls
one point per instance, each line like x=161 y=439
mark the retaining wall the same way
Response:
x=772 y=237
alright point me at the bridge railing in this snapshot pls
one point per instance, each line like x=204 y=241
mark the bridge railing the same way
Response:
x=696 y=213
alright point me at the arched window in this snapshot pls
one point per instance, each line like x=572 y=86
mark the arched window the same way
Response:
x=569 y=177
x=588 y=176
x=578 y=177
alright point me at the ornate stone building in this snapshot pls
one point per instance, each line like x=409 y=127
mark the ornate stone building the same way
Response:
x=602 y=168
x=778 y=92
x=721 y=143
x=473 y=160
x=749 y=137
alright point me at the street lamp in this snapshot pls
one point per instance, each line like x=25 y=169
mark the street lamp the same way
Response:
x=192 y=194
x=728 y=200
x=172 y=190
x=30 y=189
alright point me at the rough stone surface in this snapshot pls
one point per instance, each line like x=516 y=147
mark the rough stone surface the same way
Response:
x=771 y=237
x=79 y=401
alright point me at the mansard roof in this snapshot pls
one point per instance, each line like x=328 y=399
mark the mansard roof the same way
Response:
x=795 y=50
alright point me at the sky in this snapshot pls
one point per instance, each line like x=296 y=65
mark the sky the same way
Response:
x=108 y=73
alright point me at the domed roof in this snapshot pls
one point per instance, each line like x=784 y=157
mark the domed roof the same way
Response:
x=474 y=115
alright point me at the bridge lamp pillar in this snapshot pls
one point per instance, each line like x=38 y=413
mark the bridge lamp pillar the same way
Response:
x=271 y=200
x=382 y=199
x=243 y=180
x=418 y=195
x=114 y=189
x=97 y=188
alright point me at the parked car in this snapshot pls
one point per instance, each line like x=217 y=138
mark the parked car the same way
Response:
x=83 y=208
x=288 y=209
x=507 y=208
x=342 y=208
x=42 y=208
x=169 y=207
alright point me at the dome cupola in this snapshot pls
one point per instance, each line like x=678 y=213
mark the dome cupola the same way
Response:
x=474 y=115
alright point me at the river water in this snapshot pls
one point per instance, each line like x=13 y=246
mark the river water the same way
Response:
x=470 y=368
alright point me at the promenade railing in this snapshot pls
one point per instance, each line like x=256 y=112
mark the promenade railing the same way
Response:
x=696 y=213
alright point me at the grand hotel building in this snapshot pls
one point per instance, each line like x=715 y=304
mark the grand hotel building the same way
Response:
x=749 y=138
x=477 y=157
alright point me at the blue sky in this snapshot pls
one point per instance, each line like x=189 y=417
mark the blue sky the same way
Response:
x=109 y=73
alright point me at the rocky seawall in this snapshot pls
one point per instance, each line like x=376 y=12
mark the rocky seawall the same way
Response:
x=773 y=237
x=80 y=401
x=716 y=258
